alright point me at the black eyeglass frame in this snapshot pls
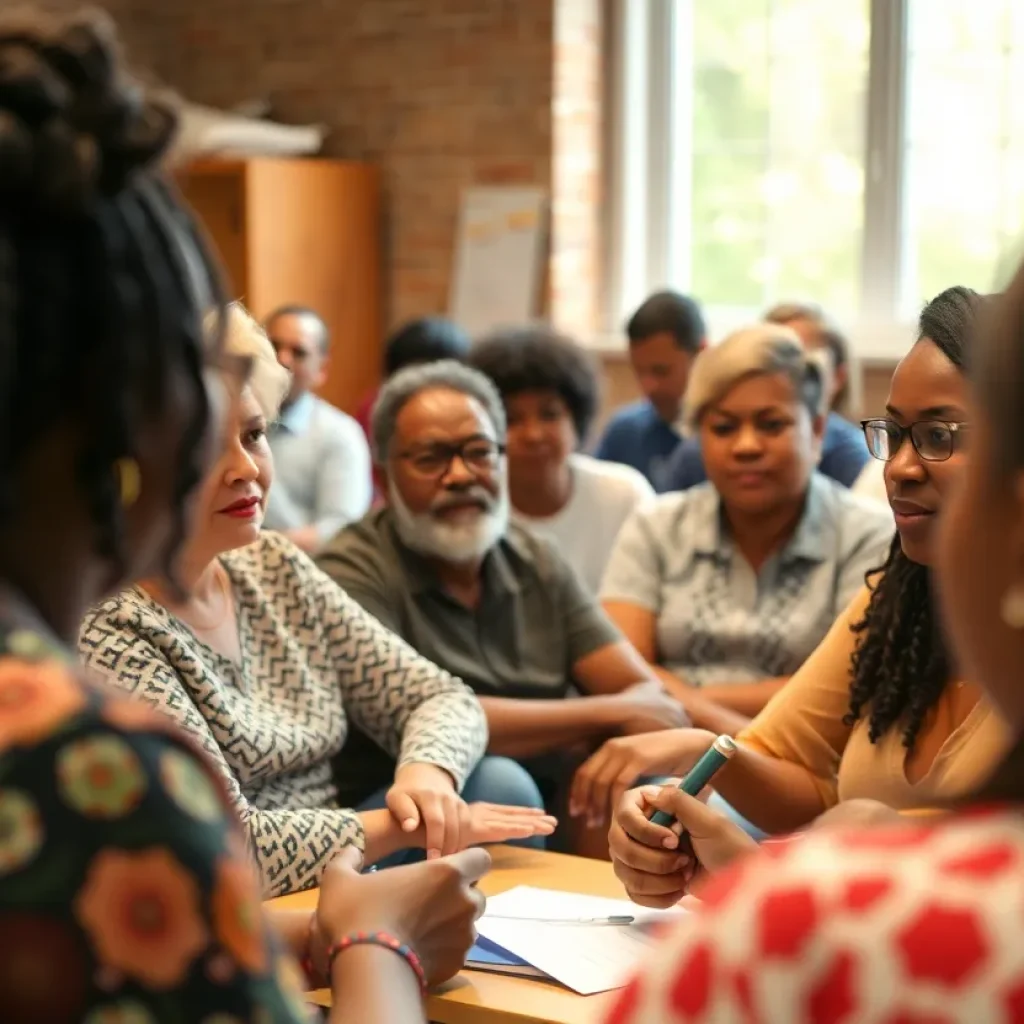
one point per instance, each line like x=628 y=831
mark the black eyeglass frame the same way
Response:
x=902 y=433
x=447 y=453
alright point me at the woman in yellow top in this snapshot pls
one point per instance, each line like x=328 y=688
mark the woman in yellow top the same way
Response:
x=877 y=711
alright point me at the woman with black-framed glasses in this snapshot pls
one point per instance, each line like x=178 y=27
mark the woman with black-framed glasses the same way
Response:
x=877 y=721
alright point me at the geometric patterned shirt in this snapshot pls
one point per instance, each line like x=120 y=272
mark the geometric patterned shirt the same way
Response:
x=913 y=924
x=312 y=660
x=717 y=621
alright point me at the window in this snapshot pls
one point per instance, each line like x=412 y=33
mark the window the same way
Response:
x=864 y=154
x=963 y=151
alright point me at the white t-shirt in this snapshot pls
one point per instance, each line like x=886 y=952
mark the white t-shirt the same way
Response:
x=604 y=495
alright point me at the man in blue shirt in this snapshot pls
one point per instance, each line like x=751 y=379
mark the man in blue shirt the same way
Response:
x=843 y=450
x=665 y=334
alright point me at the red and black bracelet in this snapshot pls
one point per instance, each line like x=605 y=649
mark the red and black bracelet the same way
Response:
x=384 y=940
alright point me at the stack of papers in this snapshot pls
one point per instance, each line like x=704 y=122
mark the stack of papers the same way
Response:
x=566 y=937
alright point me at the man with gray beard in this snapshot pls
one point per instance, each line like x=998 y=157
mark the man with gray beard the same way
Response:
x=489 y=602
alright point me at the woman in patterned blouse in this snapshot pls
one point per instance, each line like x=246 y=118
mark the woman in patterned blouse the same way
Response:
x=125 y=889
x=904 y=922
x=266 y=662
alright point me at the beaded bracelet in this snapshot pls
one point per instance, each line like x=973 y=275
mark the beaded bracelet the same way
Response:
x=384 y=940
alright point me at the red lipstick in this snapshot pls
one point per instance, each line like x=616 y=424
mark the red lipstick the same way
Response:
x=244 y=508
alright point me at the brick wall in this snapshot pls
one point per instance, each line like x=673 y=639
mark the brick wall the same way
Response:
x=577 y=141
x=442 y=93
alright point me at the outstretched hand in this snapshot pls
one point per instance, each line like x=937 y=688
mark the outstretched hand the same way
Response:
x=424 y=797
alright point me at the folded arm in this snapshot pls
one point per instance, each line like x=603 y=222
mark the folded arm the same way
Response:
x=713 y=708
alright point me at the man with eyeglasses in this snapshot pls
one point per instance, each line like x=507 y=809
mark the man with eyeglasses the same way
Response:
x=503 y=610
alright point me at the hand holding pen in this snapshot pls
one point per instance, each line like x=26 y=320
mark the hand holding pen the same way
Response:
x=654 y=864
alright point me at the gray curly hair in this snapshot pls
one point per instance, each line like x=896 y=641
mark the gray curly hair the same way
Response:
x=446 y=374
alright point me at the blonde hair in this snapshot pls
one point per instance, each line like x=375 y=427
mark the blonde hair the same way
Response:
x=751 y=352
x=269 y=380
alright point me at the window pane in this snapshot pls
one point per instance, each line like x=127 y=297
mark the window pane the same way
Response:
x=779 y=91
x=964 y=187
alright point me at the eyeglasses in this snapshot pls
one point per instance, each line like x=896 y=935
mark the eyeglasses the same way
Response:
x=933 y=440
x=479 y=455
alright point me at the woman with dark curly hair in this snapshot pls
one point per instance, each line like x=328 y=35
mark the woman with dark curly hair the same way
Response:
x=126 y=887
x=550 y=391
x=877 y=714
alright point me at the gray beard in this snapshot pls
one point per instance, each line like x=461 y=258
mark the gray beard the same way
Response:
x=460 y=543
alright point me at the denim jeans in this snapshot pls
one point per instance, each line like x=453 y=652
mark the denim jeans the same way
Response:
x=495 y=780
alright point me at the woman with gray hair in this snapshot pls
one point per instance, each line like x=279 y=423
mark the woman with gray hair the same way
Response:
x=266 y=662
x=726 y=588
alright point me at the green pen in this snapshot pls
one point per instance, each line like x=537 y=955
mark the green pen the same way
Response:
x=716 y=756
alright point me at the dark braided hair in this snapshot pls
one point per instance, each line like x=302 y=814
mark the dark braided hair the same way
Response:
x=901 y=666
x=107 y=289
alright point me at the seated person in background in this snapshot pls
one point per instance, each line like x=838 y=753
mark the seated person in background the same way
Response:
x=489 y=602
x=665 y=334
x=265 y=662
x=843 y=453
x=550 y=392
x=917 y=921
x=425 y=340
x=878 y=712
x=728 y=587
x=320 y=454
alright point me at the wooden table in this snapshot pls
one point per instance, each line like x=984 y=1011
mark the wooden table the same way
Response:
x=476 y=997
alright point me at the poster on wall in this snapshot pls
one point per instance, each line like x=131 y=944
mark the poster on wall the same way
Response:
x=498 y=258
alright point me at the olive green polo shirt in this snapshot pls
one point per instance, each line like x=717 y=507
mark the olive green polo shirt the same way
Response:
x=534 y=623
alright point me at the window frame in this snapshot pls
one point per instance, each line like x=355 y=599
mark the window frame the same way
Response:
x=649 y=127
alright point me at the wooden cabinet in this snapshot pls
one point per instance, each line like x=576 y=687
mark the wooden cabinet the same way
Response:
x=302 y=231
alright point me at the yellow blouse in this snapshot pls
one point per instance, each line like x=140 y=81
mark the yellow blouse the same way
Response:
x=803 y=724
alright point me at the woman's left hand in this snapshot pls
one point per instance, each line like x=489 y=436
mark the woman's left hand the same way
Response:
x=424 y=795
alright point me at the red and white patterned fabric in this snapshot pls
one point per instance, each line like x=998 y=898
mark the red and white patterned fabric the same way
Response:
x=922 y=924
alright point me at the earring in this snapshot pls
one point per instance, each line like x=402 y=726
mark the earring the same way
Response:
x=130 y=481
x=1012 y=607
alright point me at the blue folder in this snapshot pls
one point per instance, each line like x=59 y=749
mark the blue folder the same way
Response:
x=489 y=956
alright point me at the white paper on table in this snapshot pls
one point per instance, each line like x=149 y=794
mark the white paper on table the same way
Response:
x=588 y=958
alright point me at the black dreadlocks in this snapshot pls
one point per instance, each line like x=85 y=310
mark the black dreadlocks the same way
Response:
x=901 y=665
x=106 y=286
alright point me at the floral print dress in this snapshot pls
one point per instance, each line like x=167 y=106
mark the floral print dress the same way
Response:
x=126 y=896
